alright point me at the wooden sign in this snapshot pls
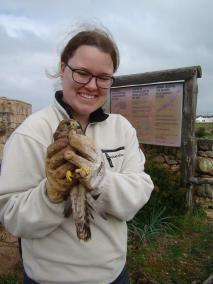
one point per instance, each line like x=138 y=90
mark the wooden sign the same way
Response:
x=154 y=110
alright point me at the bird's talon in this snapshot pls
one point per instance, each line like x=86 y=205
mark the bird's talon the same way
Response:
x=69 y=176
x=83 y=171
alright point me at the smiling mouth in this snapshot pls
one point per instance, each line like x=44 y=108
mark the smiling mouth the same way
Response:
x=87 y=96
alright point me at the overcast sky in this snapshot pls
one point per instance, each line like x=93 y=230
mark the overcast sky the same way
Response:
x=151 y=35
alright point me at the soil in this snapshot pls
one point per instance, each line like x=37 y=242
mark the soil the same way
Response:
x=9 y=254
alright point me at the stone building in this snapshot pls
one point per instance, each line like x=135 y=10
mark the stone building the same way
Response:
x=12 y=114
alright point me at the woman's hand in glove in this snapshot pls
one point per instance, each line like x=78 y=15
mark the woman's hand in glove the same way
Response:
x=58 y=185
x=88 y=158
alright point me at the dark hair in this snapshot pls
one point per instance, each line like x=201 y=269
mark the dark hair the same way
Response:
x=92 y=37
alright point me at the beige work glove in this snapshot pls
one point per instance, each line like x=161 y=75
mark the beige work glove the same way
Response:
x=58 y=184
x=88 y=159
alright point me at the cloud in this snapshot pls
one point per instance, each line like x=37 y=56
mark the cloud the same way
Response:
x=151 y=35
x=26 y=52
x=15 y=26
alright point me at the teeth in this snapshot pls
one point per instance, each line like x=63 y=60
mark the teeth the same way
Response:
x=86 y=96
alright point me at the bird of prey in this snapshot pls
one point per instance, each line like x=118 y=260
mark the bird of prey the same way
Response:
x=79 y=200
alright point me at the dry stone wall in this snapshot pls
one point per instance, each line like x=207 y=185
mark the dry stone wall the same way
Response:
x=12 y=114
x=170 y=159
x=204 y=170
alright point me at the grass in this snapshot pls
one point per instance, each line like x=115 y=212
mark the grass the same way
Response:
x=179 y=256
x=204 y=130
x=170 y=250
x=10 y=278
x=146 y=229
x=207 y=125
x=164 y=249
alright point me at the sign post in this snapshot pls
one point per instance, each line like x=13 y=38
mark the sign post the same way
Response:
x=161 y=105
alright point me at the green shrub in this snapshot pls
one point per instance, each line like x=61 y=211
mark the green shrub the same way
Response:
x=168 y=192
x=168 y=199
x=200 y=131
x=204 y=130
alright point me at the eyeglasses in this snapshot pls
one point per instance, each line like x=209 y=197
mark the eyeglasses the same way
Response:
x=83 y=77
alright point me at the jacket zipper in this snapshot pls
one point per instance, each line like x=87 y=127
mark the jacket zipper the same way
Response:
x=108 y=157
x=109 y=160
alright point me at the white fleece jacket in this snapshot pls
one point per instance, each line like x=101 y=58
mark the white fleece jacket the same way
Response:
x=51 y=251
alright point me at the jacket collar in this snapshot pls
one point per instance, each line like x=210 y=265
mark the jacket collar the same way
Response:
x=97 y=116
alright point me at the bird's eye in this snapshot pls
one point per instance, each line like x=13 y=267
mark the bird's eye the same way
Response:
x=73 y=124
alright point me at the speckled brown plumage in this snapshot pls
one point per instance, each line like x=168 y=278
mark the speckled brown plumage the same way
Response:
x=76 y=202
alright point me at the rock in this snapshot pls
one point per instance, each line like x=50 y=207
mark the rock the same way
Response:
x=200 y=191
x=159 y=159
x=209 y=154
x=203 y=154
x=209 y=191
x=172 y=162
x=178 y=155
x=166 y=166
x=175 y=168
x=205 y=176
x=209 y=213
x=204 y=190
x=205 y=144
x=174 y=151
x=209 y=280
x=206 y=165
x=197 y=282
x=170 y=159
x=202 y=145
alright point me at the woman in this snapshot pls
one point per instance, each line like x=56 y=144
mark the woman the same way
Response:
x=31 y=199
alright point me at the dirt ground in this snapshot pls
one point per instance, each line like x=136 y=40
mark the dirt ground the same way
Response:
x=9 y=254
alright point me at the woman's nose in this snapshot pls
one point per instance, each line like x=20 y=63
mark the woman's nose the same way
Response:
x=92 y=84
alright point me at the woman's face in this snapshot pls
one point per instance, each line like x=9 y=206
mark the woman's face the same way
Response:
x=85 y=99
